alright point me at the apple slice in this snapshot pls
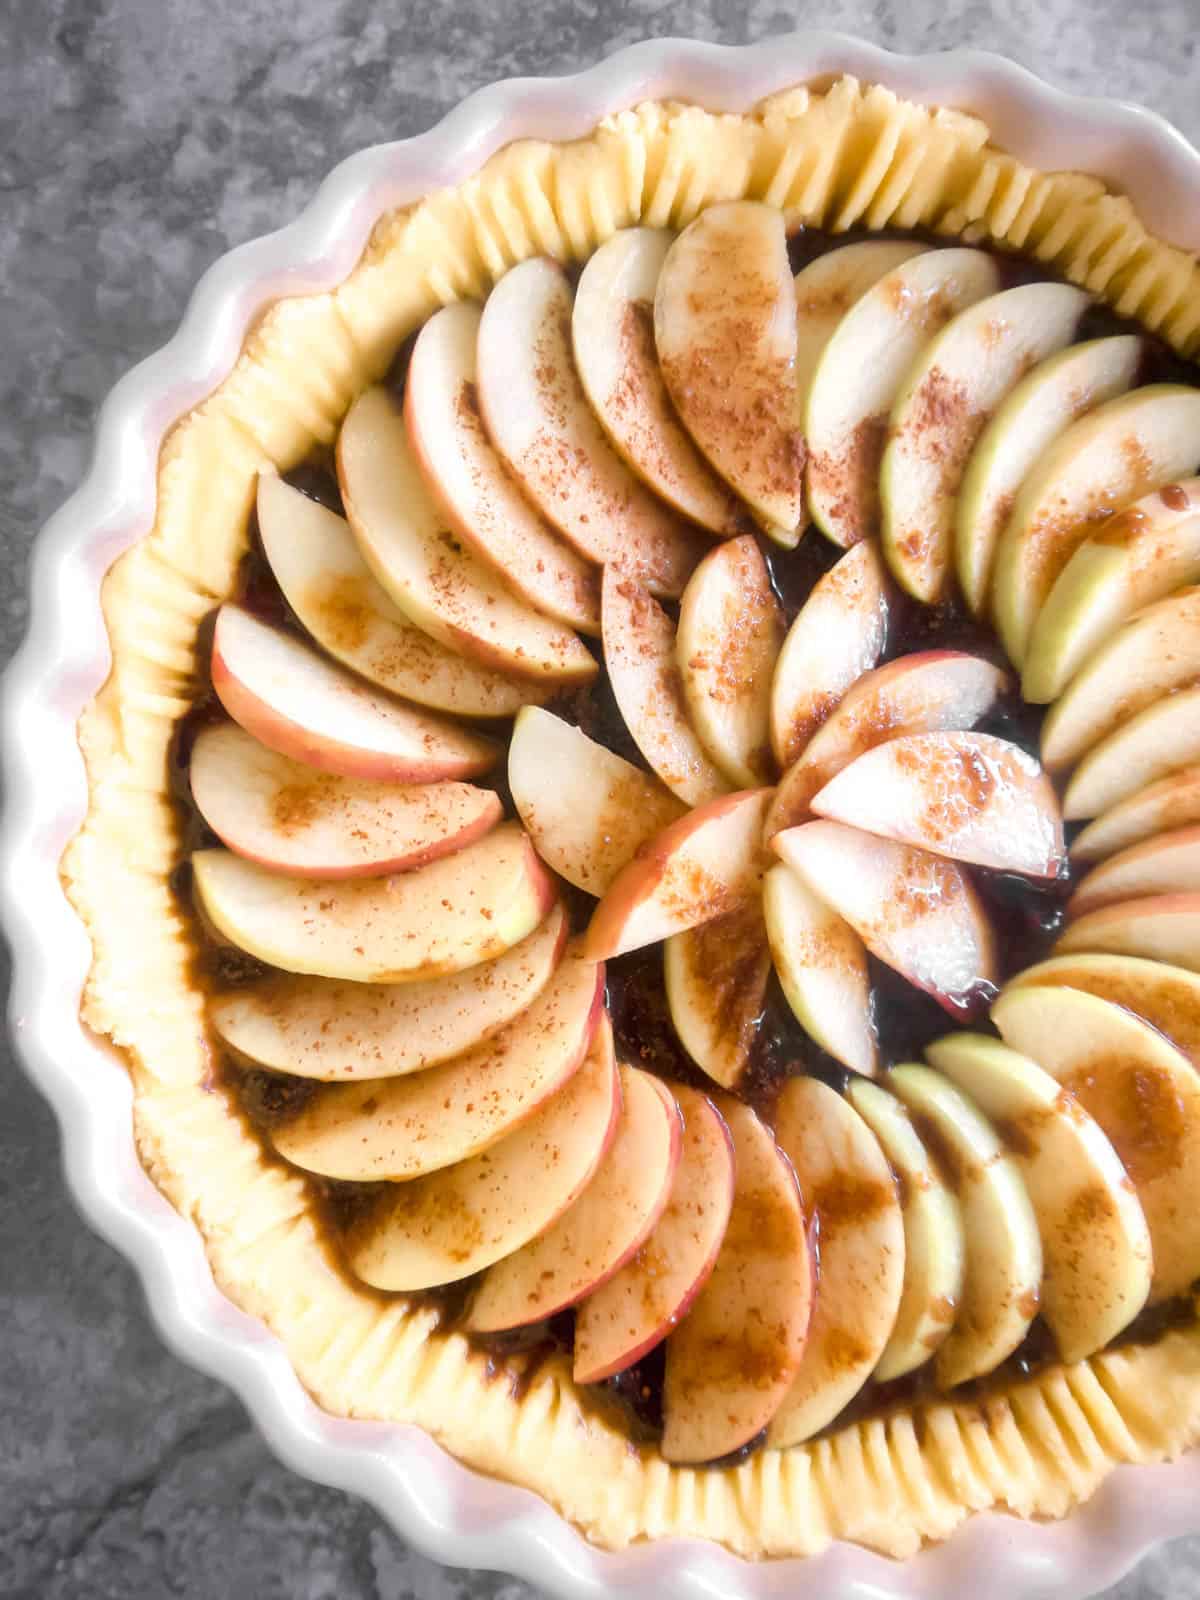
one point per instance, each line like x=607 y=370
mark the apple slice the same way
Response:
x=1161 y=927
x=716 y=983
x=934 y=1240
x=539 y=420
x=822 y=966
x=1001 y=1284
x=731 y=1361
x=1153 y=655
x=403 y=1128
x=958 y=381
x=730 y=632
x=321 y=1028
x=290 y=818
x=1168 y=998
x=1167 y=864
x=1100 y=465
x=635 y=1310
x=300 y=705
x=639 y=652
x=914 y=911
x=969 y=796
x=927 y=692
x=1173 y=802
x=1041 y=408
x=849 y=1188
x=605 y=1227
x=1141 y=556
x=1151 y=745
x=612 y=331
x=1144 y=1094
x=838 y=635
x=429 y=574
x=467 y=479
x=861 y=372
x=725 y=329
x=705 y=865
x=437 y=919
x=587 y=810
x=1098 y=1260
x=460 y=1220
x=330 y=587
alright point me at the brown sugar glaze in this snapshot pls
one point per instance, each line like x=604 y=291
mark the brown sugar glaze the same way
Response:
x=1026 y=915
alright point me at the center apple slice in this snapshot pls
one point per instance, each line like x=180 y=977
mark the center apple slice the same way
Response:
x=406 y=1127
x=437 y=919
x=604 y=1228
x=716 y=978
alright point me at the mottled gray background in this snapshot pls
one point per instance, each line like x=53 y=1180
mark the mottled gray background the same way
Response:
x=139 y=141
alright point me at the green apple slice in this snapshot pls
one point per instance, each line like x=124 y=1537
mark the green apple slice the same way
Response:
x=716 y=979
x=1151 y=745
x=1172 y=802
x=1167 y=997
x=1169 y=863
x=954 y=387
x=861 y=372
x=1161 y=927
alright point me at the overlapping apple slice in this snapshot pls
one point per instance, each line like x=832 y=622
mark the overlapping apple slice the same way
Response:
x=1151 y=745
x=403 y=1128
x=1160 y=927
x=452 y=913
x=462 y=1219
x=325 y=1029
x=1167 y=997
x=715 y=977
x=300 y=705
x=1170 y=803
x=1168 y=863
x=603 y=1229
x=848 y=1187
x=538 y=418
x=732 y=1359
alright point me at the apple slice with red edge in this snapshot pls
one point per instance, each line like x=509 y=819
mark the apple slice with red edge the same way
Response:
x=916 y=912
x=626 y=1318
x=716 y=978
x=1160 y=927
x=300 y=705
x=460 y=1220
x=1170 y=803
x=1151 y=745
x=1167 y=997
x=732 y=1359
x=603 y=1229
x=403 y=1128
x=702 y=867
x=1166 y=864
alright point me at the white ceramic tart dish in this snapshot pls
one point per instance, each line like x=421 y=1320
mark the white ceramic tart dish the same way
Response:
x=946 y=415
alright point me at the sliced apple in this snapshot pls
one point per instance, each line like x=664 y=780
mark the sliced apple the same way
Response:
x=849 y=1188
x=934 y=1240
x=1151 y=745
x=731 y=1360
x=639 y=652
x=1098 y=1259
x=1100 y=465
x=716 y=983
x=429 y=573
x=1139 y=557
x=704 y=866
x=822 y=966
x=329 y=586
x=730 y=633
x=321 y=1028
x=300 y=705
x=403 y=1128
x=725 y=329
x=1167 y=997
x=969 y=796
x=861 y=372
x=538 y=418
x=914 y=911
x=1173 y=802
x=1161 y=927
x=437 y=919
x=449 y=1224
x=1143 y=1093
x=838 y=635
x=1166 y=864
x=604 y=1228
x=467 y=479
x=1001 y=1284
x=1041 y=407
x=612 y=331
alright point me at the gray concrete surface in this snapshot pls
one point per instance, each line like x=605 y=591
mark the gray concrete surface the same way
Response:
x=137 y=142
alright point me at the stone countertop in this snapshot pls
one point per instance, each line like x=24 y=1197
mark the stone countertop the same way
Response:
x=142 y=138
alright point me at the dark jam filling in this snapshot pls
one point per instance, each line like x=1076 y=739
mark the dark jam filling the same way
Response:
x=1026 y=915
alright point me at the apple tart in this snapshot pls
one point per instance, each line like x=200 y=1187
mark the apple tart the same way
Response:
x=644 y=847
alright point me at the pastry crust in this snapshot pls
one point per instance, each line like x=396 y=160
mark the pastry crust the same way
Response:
x=850 y=156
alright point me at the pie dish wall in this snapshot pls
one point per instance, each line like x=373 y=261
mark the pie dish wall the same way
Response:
x=454 y=1514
